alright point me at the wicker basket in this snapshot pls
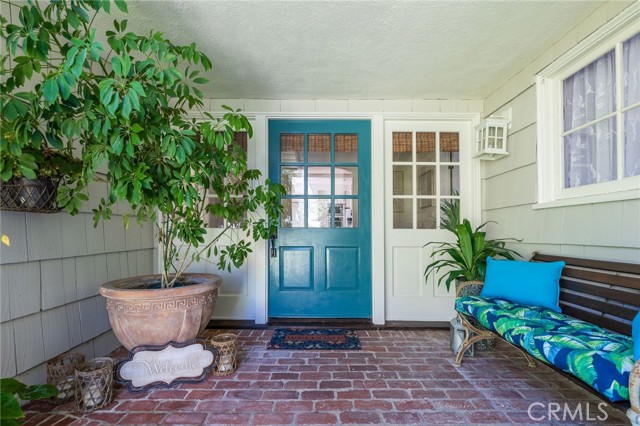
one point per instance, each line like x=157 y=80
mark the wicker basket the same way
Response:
x=94 y=384
x=227 y=361
x=61 y=374
x=29 y=195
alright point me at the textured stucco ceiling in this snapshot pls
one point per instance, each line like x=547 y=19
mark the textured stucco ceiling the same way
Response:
x=362 y=49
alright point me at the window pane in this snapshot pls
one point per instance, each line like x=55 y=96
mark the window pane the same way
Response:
x=631 y=70
x=590 y=93
x=346 y=181
x=402 y=146
x=426 y=213
x=590 y=154
x=450 y=147
x=212 y=220
x=292 y=147
x=402 y=180
x=319 y=180
x=292 y=178
x=346 y=214
x=319 y=213
x=449 y=180
x=425 y=146
x=426 y=180
x=241 y=139
x=632 y=142
x=292 y=213
x=346 y=148
x=402 y=213
x=319 y=148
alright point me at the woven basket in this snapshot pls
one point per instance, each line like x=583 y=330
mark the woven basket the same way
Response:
x=29 y=195
x=227 y=361
x=94 y=384
x=61 y=374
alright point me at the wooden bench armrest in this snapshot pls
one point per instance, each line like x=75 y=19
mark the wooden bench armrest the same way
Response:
x=464 y=284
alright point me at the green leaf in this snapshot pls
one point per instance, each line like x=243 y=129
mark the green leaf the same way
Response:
x=50 y=90
x=117 y=66
x=122 y=5
x=9 y=406
x=11 y=386
x=34 y=392
x=126 y=106
x=26 y=172
x=79 y=62
x=65 y=90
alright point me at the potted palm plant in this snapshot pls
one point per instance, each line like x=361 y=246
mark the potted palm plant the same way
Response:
x=126 y=110
x=466 y=259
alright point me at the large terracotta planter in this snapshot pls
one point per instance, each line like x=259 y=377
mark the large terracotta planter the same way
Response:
x=142 y=315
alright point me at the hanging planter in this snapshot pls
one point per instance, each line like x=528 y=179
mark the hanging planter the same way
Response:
x=30 y=195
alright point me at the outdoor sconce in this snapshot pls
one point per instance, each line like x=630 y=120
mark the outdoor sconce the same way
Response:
x=491 y=138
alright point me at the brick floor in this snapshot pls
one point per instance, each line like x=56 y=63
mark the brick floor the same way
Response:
x=399 y=377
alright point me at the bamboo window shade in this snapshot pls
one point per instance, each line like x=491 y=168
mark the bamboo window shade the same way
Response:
x=294 y=142
x=425 y=142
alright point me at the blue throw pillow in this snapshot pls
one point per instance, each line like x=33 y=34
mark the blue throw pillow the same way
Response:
x=527 y=283
x=635 y=334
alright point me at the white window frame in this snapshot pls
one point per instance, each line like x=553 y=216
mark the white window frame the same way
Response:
x=550 y=159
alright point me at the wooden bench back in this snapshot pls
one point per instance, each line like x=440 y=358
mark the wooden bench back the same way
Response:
x=597 y=291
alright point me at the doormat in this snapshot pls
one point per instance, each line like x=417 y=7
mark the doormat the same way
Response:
x=315 y=338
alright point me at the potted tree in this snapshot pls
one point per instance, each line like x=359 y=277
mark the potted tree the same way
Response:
x=126 y=110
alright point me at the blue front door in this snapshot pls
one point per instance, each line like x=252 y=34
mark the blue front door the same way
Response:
x=322 y=263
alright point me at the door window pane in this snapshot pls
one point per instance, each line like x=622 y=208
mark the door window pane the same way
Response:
x=319 y=148
x=426 y=215
x=402 y=213
x=292 y=213
x=632 y=142
x=346 y=148
x=450 y=147
x=346 y=213
x=319 y=180
x=590 y=154
x=402 y=146
x=426 y=147
x=292 y=147
x=426 y=180
x=402 y=180
x=449 y=180
x=346 y=181
x=319 y=213
x=292 y=178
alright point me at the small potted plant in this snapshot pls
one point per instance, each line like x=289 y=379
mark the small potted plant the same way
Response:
x=126 y=108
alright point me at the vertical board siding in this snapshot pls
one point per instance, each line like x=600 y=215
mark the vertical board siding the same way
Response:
x=609 y=231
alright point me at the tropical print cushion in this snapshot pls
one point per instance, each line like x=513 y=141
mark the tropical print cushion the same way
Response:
x=601 y=358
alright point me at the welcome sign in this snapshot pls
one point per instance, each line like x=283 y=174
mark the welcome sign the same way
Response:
x=152 y=366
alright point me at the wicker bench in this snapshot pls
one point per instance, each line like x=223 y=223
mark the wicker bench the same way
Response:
x=603 y=293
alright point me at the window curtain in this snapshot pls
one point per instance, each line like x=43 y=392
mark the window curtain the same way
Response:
x=631 y=95
x=590 y=153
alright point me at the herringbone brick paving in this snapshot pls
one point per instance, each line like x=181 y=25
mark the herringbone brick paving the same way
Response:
x=399 y=377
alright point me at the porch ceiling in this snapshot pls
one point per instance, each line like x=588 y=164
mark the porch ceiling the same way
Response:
x=362 y=49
